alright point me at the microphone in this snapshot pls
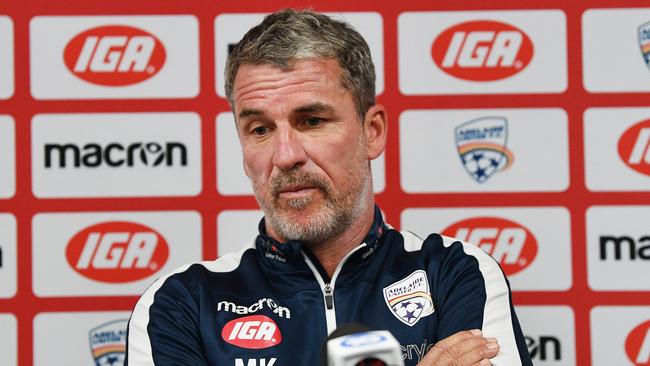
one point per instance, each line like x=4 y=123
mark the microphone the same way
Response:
x=356 y=345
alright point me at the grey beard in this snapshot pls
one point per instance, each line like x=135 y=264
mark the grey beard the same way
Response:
x=334 y=218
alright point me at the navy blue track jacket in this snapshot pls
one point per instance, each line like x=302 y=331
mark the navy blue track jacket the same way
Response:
x=272 y=304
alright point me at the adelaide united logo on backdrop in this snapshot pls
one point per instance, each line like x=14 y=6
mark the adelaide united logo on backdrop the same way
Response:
x=409 y=299
x=114 y=55
x=482 y=50
x=481 y=145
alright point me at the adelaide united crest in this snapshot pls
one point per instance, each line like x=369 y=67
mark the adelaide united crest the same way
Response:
x=409 y=299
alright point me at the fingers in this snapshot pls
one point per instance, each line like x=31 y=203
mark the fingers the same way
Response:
x=465 y=348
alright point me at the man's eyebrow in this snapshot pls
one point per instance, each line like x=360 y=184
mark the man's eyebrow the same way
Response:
x=250 y=112
x=314 y=108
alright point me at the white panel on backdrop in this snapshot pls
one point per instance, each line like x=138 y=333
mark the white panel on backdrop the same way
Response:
x=620 y=335
x=550 y=334
x=91 y=338
x=114 y=57
x=484 y=150
x=6 y=57
x=110 y=253
x=231 y=179
x=230 y=28
x=532 y=245
x=236 y=229
x=482 y=52
x=8 y=339
x=618 y=247
x=116 y=155
x=7 y=157
x=617 y=149
x=8 y=267
x=616 y=50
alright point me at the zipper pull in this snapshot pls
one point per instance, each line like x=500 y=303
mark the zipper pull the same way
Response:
x=329 y=296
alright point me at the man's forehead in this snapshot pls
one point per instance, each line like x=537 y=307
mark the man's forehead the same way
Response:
x=256 y=81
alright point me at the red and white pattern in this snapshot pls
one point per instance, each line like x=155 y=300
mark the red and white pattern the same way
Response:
x=137 y=88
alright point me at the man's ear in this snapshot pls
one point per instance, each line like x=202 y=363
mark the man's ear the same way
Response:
x=375 y=128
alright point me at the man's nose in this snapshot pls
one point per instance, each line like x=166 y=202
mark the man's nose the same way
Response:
x=289 y=151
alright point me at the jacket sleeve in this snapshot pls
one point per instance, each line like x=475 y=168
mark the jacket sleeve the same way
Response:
x=474 y=293
x=163 y=328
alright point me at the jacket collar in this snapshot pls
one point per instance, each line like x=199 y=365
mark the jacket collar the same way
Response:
x=291 y=251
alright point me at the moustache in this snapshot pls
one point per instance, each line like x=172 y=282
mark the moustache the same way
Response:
x=293 y=178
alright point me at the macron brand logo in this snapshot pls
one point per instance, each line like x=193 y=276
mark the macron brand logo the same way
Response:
x=281 y=311
x=114 y=55
x=117 y=252
x=509 y=243
x=252 y=332
x=637 y=344
x=482 y=50
x=634 y=147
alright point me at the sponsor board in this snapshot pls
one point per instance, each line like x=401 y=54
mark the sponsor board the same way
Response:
x=533 y=245
x=6 y=57
x=8 y=339
x=116 y=155
x=617 y=149
x=482 y=52
x=550 y=343
x=231 y=179
x=7 y=157
x=252 y=332
x=615 y=46
x=8 y=256
x=91 y=338
x=114 y=57
x=230 y=28
x=110 y=253
x=236 y=229
x=484 y=150
x=620 y=335
x=618 y=247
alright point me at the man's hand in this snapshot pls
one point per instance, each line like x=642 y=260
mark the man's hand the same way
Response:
x=465 y=348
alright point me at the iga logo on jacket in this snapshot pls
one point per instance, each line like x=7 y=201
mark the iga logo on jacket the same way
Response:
x=252 y=332
x=114 y=55
x=508 y=242
x=482 y=50
x=117 y=252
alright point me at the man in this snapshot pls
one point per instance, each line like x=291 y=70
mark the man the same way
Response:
x=301 y=86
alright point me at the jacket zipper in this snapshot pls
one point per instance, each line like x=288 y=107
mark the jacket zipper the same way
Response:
x=328 y=288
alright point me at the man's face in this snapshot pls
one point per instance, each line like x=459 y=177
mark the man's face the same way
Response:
x=304 y=148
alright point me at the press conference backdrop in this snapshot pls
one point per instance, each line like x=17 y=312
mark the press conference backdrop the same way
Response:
x=520 y=126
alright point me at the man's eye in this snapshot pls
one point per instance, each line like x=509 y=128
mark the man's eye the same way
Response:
x=260 y=130
x=313 y=121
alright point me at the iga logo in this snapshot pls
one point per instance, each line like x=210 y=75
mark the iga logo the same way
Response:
x=114 y=55
x=482 y=50
x=117 y=252
x=634 y=147
x=252 y=332
x=637 y=345
x=509 y=243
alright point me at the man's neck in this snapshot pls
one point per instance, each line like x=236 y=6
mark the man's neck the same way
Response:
x=332 y=251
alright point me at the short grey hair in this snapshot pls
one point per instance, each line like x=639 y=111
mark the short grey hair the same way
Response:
x=289 y=35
